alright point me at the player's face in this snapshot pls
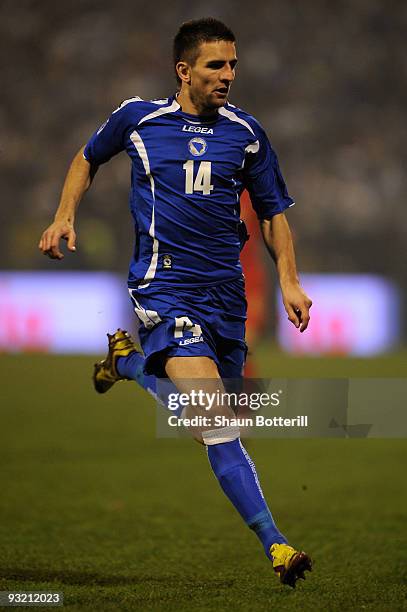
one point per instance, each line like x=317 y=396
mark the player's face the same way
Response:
x=212 y=74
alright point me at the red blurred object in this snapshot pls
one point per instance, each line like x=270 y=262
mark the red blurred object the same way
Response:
x=255 y=274
x=24 y=327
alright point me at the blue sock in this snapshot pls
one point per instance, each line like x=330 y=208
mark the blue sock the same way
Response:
x=237 y=476
x=132 y=367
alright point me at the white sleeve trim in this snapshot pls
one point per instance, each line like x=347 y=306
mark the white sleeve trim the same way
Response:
x=233 y=117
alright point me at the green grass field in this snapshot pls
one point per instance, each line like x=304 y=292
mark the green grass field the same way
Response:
x=94 y=505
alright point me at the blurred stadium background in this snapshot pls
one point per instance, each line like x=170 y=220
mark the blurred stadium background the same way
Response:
x=327 y=82
x=90 y=493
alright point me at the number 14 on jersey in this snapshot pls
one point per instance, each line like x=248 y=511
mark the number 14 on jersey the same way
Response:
x=202 y=180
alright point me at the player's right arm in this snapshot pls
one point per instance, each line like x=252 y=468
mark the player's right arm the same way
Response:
x=103 y=145
x=77 y=182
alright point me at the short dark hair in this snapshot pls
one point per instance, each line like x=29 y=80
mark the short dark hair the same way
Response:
x=195 y=32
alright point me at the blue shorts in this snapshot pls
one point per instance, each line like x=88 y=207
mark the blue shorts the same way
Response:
x=200 y=321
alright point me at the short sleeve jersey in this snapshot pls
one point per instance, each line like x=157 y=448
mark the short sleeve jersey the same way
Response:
x=188 y=172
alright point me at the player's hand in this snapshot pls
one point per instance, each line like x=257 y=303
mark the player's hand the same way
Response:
x=49 y=242
x=297 y=305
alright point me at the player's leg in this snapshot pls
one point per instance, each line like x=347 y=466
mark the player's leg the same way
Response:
x=228 y=458
x=232 y=465
x=131 y=367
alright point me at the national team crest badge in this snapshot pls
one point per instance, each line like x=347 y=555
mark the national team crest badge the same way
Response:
x=197 y=146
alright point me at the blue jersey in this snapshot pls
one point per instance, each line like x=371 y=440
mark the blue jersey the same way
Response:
x=188 y=172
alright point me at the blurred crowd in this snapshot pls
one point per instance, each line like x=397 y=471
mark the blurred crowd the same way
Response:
x=326 y=79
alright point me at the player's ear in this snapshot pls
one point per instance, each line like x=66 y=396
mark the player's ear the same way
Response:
x=184 y=72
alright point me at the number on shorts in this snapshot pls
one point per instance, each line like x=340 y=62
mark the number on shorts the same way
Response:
x=183 y=324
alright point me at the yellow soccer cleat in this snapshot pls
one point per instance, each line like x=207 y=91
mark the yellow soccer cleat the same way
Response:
x=105 y=373
x=290 y=564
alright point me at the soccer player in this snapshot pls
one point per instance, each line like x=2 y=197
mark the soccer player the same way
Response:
x=192 y=155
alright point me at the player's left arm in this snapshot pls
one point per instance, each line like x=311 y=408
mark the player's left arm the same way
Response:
x=277 y=237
